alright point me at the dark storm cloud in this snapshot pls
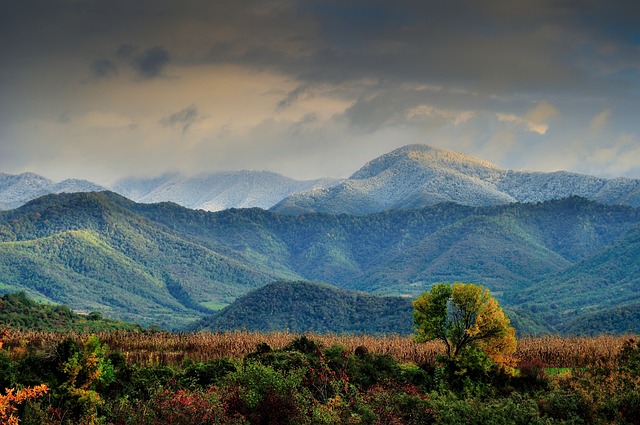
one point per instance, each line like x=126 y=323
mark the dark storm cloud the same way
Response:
x=104 y=68
x=358 y=68
x=125 y=51
x=493 y=45
x=151 y=62
x=292 y=97
x=184 y=118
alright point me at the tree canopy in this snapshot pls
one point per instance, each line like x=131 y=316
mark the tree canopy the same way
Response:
x=463 y=315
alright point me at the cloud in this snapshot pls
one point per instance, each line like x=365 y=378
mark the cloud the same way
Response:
x=529 y=125
x=64 y=117
x=151 y=62
x=105 y=120
x=542 y=113
x=104 y=68
x=535 y=120
x=184 y=118
x=599 y=121
x=292 y=97
x=125 y=51
x=358 y=78
x=454 y=117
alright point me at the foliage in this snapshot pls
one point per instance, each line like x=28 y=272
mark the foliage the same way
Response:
x=11 y=398
x=312 y=307
x=463 y=316
x=18 y=311
x=301 y=380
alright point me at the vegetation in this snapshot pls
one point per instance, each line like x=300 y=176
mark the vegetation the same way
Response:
x=18 y=312
x=167 y=265
x=307 y=380
x=465 y=317
x=312 y=307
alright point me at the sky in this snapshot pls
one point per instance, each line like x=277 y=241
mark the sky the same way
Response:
x=103 y=89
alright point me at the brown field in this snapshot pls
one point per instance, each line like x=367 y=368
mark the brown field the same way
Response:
x=173 y=348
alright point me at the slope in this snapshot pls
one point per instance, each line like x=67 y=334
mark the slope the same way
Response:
x=19 y=312
x=608 y=279
x=418 y=175
x=90 y=252
x=217 y=191
x=494 y=251
x=624 y=319
x=166 y=264
x=16 y=190
x=313 y=307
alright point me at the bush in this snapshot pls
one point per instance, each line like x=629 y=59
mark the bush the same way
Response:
x=204 y=375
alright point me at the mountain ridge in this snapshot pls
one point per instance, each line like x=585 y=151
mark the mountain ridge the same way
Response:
x=415 y=176
x=409 y=177
x=163 y=263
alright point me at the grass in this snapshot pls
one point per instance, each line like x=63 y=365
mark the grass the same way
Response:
x=555 y=354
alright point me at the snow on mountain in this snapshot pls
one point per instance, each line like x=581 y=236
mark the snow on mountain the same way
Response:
x=16 y=190
x=418 y=175
x=409 y=177
x=217 y=191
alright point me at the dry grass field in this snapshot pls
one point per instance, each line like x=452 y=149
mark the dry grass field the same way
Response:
x=173 y=348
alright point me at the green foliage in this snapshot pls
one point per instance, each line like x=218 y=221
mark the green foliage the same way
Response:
x=18 y=311
x=312 y=307
x=464 y=316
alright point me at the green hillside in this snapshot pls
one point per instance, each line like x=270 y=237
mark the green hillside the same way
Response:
x=168 y=265
x=90 y=252
x=18 y=312
x=313 y=307
x=623 y=319
x=598 y=286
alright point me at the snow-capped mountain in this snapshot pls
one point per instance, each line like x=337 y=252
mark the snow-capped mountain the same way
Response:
x=217 y=191
x=16 y=190
x=418 y=175
x=409 y=177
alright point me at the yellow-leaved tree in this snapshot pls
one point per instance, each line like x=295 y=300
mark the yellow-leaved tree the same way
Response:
x=464 y=315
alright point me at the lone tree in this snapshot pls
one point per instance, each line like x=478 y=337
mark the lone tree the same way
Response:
x=461 y=316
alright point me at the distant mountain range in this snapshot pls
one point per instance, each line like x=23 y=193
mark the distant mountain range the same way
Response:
x=16 y=190
x=217 y=191
x=410 y=177
x=558 y=261
x=415 y=176
x=210 y=192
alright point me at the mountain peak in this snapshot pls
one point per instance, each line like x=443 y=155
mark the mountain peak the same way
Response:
x=421 y=156
x=415 y=176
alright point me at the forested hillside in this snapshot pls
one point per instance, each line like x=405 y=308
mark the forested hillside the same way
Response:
x=18 y=312
x=313 y=307
x=165 y=264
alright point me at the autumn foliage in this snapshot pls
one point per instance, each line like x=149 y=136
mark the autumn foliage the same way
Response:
x=463 y=316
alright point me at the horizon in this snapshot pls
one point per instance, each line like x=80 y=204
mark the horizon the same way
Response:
x=308 y=89
x=204 y=174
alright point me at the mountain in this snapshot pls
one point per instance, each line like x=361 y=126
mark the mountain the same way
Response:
x=605 y=284
x=313 y=307
x=169 y=265
x=16 y=190
x=210 y=192
x=415 y=176
x=217 y=191
x=91 y=252
x=410 y=177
